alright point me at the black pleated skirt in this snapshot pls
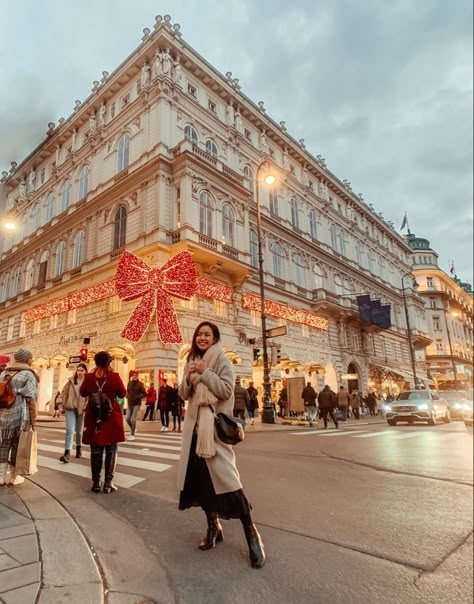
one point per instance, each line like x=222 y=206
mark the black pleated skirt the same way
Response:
x=199 y=491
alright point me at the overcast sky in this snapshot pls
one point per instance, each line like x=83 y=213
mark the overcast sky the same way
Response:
x=381 y=88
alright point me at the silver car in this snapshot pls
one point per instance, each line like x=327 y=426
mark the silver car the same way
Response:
x=418 y=406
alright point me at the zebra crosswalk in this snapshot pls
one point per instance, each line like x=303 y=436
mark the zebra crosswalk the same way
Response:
x=149 y=453
x=391 y=434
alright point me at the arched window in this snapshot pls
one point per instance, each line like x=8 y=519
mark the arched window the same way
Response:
x=60 y=259
x=34 y=224
x=313 y=224
x=5 y=284
x=228 y=224
x=65 y=195
x=123 y=152
x=248 y=173
x=16 y=281
x=299 y=270
x=43 y=268
x=278 y=256
x=191 y=134
x=78 y=249
x=84 y=181
x=295 y=218
x=120 y=227
x=30 y=273
x=211 y=148
x=253 y=249
x=205 y=214
x=49 y=208
x=273 y=200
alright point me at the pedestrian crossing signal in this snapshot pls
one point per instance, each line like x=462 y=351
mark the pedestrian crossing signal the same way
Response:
x=256 y=354
x=84 y=353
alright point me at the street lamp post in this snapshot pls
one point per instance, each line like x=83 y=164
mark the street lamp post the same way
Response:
x=410 y=341
x=448 y=332
x=268 y=415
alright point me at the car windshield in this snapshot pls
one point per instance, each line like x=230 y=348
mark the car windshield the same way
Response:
x=419 y=395
x=452 y=395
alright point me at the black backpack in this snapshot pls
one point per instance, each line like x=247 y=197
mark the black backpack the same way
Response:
x=99 y=406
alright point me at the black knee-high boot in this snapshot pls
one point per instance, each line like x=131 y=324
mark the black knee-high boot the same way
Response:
x=254 y=541
x=96 y=467
x=214 y=532
x=110 y=463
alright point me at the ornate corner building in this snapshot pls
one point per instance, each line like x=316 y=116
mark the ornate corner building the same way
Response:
x=449 y=309
x=163 y=157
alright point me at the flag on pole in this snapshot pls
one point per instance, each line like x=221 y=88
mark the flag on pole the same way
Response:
x=405 y=222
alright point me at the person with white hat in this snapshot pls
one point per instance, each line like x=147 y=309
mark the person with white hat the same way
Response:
x=20 y=415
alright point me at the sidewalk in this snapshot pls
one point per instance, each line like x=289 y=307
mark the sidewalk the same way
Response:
x=44 y=557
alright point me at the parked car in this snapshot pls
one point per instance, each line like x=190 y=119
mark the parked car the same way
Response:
x=467 y=408
x=455 y=400
x=418 y=406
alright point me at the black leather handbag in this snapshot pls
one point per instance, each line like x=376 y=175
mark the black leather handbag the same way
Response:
x=230 y=430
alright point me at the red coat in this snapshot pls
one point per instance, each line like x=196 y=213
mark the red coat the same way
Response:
x=111 y=431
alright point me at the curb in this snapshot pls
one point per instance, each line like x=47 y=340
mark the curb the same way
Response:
x=69 y=568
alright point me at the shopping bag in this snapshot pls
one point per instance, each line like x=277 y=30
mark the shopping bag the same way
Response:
x=339 y=415
x=27 y=455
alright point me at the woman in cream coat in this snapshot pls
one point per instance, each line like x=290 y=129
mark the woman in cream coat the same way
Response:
x=211 y=480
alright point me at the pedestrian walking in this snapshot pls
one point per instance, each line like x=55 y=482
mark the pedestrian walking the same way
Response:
x=151 y=397
x=343 y=401
x=165 y=398
x=58 y=400
x=252 y=407
x=74 y=405
x=327 y=403
x=135 y=393
x=207 y=473
x=241 y=399
x=104 y=436
x=371 y=402
x=283 y=401
x=309 y=396
x=355 y=401
x=20 y=415
x=177 y=404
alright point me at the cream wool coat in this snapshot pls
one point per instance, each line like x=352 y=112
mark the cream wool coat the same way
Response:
x=222 y=469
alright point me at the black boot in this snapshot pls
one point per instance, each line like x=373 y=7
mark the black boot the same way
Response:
x=96 y=468
x=65 y=458
x=256 y=551
x=110 y=463
x=214 y=532
x=78 y=452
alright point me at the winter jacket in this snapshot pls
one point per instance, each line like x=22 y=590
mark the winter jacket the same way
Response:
x=111 y=430
x=135 y=392
x=309 y=395
x=342 y=398
x=327 y=398
x=165 y=397
x=241 y=398
x=151 y=396
x=176 y=403
x=71 y=398
x=253 y=399
x=355 y=399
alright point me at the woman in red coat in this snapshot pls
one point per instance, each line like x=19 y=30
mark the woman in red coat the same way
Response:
x=110 y=431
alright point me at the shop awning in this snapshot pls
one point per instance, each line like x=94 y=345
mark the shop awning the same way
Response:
x=399 y=372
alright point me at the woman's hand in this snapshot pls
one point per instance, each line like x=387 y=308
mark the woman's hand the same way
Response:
x=197 y=366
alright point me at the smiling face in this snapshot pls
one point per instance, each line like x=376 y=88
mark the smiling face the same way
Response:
x=205 y=338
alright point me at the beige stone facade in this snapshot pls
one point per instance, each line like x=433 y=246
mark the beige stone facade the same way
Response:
x=163 y=157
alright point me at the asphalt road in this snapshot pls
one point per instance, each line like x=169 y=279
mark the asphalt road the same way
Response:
x=370 y=513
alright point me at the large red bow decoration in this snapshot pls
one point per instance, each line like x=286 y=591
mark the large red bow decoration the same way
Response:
x=135 y=279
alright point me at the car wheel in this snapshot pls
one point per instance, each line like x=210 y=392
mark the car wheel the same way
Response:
x=392 y=422
x=447 y=417
x=432 y=421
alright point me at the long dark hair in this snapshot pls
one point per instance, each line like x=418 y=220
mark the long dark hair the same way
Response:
x=195 y=352
x=84 y=366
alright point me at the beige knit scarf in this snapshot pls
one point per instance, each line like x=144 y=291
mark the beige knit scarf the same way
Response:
x=205 y=400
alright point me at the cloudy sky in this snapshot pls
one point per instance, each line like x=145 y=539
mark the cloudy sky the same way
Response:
x=381 y=88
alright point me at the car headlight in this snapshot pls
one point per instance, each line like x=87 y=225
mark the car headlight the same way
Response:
x=386 y=408
x=423 y=406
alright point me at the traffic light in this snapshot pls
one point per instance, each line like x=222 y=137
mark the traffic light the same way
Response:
x=83 y=353
x=256 y=354
x=278 y=355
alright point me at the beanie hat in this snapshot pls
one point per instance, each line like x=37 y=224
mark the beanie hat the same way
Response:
x=23 y=355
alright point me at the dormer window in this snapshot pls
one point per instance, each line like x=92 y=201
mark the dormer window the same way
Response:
x=192 y=90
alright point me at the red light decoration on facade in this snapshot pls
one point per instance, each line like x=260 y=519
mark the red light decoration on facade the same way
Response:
x=281 y=311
